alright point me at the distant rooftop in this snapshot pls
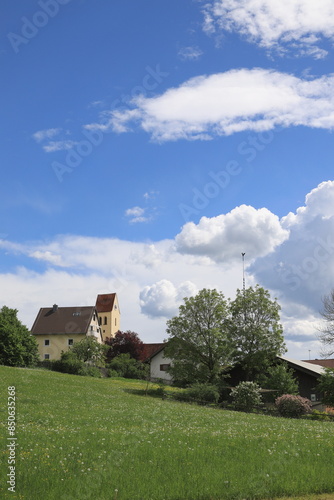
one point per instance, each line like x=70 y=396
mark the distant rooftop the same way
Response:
x=326 y=363
x=55 y=320
x=305 y=366
x=105 y=302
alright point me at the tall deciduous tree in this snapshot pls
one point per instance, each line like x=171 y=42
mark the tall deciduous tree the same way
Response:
x=198 y=339
x=17 y=346
x=326 y=335
x=256 y=331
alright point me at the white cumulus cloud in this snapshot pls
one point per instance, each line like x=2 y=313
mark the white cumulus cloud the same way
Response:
x=225 y=103
x=163 y=298
x=300 y=25
x=223 y=238
x=301 y=270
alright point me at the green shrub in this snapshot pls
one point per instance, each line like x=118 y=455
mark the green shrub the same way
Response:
x=246 y=396
x=291 y=406
x=128 y=367
x=199 y=393
x=113 y=373
x=90 y=371
x=280 y=379
x=318 y=415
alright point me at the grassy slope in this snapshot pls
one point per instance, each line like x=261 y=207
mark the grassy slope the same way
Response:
x=81 y=438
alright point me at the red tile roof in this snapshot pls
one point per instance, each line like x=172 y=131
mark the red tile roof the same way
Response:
x=105 y=302
x=148 y=350
x=326 y=363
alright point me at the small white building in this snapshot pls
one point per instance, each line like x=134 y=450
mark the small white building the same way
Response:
x=159 y=365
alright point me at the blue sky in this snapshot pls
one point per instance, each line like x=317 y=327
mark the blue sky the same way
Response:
x=145 y=145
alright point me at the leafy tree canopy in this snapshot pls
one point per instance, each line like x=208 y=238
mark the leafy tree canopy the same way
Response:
x=89 y=350
x=125 y=343
x=256 y=332
x=198 y=339
x=17 y=346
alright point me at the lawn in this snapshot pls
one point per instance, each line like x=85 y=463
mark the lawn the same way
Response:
x=80 y=438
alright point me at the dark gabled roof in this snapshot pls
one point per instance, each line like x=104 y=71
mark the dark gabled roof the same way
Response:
x=150 y=350
x=57 y=320
x=105 y=302
x=326 y=363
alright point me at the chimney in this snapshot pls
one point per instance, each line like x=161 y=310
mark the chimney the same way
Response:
x=55 y=308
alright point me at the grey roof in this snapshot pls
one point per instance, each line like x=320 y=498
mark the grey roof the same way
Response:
x=304 y=366
x=57 y=320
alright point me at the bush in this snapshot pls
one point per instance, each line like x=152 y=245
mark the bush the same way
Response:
x=280 y=379
x=246 y=396
x=318 y=415
x=90 y=371
x=291 y=406
x=199 y=393
x=113 y=373
x=127 y=367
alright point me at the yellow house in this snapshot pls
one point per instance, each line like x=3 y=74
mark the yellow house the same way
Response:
x=109 y=314
x=56 y=329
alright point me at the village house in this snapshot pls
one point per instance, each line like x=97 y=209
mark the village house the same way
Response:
x=56 y=328
x=307 y=374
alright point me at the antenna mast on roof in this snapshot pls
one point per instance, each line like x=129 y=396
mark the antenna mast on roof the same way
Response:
x=243 y=272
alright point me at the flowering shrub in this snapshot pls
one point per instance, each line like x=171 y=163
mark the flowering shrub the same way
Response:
x=246 y=396
x=292 y=406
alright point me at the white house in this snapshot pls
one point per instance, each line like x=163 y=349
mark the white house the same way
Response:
x=159 y=365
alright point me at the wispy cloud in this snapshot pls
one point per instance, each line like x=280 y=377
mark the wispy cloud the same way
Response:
x=53 y=146
x=225 y=103
x=136 y=215
x=300 y=25
x=49 y=144
x=190 y=53
x=150 y=195
x=42 y=135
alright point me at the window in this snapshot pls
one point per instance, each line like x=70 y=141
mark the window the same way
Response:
x=46 y=342
x=100 y=321
x=105 y=320
x=164 y=368
x=46 y=356
x=115 y=321
x=70 y=342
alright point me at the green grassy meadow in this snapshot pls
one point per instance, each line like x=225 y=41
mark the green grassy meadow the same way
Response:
x=80 y=438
